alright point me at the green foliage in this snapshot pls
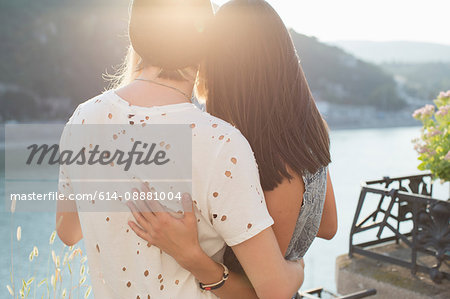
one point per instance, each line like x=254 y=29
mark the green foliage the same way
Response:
x=434 y=143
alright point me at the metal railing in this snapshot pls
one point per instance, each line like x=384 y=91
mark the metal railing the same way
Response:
x=402 y=200
x=317 y=293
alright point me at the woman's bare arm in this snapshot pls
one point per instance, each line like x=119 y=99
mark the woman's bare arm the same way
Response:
x=208 y=271
x=284 y=204
x=270 y=274
x=275 y=278
x=68 y=224
x=329 y=223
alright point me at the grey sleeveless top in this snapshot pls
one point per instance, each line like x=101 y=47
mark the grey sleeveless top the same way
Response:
x=308 y=221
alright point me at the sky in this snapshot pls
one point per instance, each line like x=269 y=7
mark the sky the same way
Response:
x=369 y=20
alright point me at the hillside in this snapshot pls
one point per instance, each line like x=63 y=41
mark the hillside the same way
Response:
x=53 y=54
x=56 y=51
x=338 y=77
x=396 y=51
x=421 y=80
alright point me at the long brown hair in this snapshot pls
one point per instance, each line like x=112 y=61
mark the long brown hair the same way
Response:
x=252 y=78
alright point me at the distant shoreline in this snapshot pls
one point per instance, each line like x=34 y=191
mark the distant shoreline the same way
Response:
x=369 y=127
x=333 y=128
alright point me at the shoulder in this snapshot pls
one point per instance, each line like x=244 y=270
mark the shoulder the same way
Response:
x=216 y=139
x=220 y=132
x=94 y=110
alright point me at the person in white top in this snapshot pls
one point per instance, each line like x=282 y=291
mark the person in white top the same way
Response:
x=229 y=207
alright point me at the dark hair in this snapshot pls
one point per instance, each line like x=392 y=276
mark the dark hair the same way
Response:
x=252 y=78
x=169 y=33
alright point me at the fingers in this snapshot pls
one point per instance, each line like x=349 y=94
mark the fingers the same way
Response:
x=188 y=206
x=137 y=215
x=143 y=204
x=144 y=208
x=145 y=187
x=140 y=232
x=152 y=211
x=143 y=211
x=149 y=205
x=156 y=207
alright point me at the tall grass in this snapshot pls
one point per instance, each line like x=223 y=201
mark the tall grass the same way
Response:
x=66 y=275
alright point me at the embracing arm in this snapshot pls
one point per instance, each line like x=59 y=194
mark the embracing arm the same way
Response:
x=275 y=278
x=238 y=198
x=208 y=271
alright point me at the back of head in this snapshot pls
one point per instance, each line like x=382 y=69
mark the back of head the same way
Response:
x=169 y=34
x=252 y=78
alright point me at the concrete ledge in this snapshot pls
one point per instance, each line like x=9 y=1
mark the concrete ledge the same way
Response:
x=390 y=281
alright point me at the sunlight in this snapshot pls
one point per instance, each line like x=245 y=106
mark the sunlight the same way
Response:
x=367 y=20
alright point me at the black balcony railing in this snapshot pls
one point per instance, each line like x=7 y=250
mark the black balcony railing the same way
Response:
x=317 y=293
x=407 y=213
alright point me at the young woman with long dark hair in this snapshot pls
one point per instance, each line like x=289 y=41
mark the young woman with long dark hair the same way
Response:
x=251 y=77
